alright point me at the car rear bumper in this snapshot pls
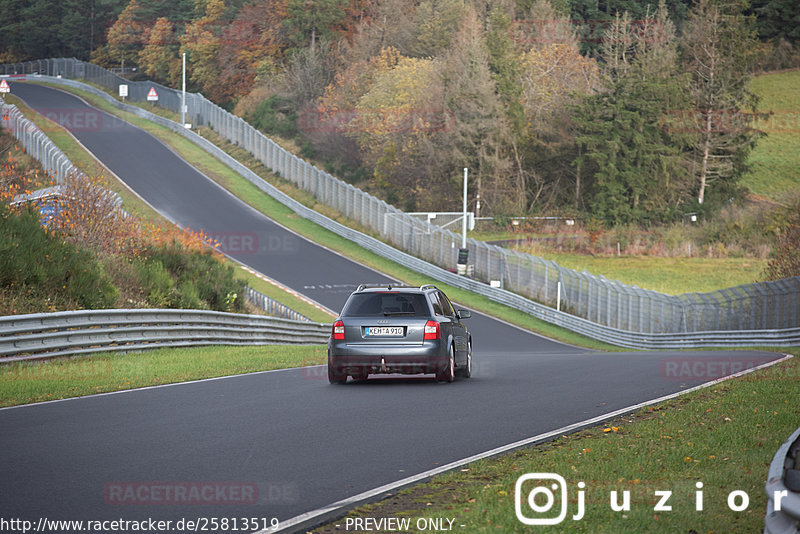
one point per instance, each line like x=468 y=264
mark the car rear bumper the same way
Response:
x=355 y=359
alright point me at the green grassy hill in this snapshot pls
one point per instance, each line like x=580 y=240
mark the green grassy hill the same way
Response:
x=775 y=161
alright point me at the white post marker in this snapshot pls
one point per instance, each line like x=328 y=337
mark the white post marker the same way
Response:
x=152 y=96
x=4 y=87
x=558 y=298
x=123 y=91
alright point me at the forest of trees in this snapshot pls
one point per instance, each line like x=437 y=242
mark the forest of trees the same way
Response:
x=624 y=110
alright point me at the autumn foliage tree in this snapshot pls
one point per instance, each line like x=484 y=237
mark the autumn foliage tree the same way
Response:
x=202 y=43
x=392 y=121
x=159 y=58
x=397 y=96
x=480 y=133
x=552 y=76
x=252 y=45
x=128 y=34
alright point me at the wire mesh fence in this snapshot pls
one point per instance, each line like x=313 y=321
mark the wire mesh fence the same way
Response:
x=768 y=305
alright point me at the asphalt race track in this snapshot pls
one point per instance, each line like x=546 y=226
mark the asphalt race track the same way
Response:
x=279 y=444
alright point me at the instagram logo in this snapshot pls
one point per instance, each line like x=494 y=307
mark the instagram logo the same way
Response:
x=541 y=499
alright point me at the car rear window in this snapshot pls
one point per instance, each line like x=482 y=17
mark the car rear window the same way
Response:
x=386 y=304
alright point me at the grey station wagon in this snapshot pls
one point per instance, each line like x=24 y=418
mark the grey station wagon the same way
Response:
x=399 y=329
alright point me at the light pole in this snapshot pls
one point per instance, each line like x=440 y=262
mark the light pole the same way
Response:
x=464 y=220
x=183 y=92
x=463 y=252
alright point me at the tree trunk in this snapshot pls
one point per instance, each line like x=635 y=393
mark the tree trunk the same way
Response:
x=706 y=153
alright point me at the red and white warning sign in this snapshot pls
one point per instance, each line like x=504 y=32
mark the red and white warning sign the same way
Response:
x=4 y=88
x=152 y=96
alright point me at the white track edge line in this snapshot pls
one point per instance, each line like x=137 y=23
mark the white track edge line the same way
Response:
x=350 y=501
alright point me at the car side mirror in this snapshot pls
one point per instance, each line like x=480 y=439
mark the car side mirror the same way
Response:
x=464 y=314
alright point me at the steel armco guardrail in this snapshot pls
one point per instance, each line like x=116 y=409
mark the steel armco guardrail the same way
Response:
x=47 y=335
x=272 y=306
x=39 y=146
x=685 y=337
x=783 y=481
x=36 y=143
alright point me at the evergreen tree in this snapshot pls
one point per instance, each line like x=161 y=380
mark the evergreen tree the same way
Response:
x=778 y=19
x=505 y=67
x=435 y=21
x=26 y=29
x=636 y=167
x=83 y=25
x=312 y=20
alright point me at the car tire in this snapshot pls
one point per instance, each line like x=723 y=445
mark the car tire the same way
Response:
x=466 y=371
x=335 y=377
x=448 y=373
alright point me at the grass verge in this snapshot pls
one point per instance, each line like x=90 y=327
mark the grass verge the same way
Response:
x=250 y=194
x=277 y=293
x=724 y=436
x=670 y=275
x=26 y=382
x=775 y=161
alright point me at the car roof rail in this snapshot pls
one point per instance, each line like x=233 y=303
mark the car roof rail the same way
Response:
x=423 y=287
x=387 y=285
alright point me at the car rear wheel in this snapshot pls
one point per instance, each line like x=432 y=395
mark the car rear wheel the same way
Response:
x=466 y=371
x=335 y=377
x=449 y=372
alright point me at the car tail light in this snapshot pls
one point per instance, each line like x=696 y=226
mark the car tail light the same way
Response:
x=338 y=330
x=432 y=330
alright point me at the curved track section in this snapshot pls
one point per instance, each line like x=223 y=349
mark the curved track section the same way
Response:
x=282 y=443
x=187 y=197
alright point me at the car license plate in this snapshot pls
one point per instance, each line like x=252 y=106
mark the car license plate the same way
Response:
x=384 y=331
